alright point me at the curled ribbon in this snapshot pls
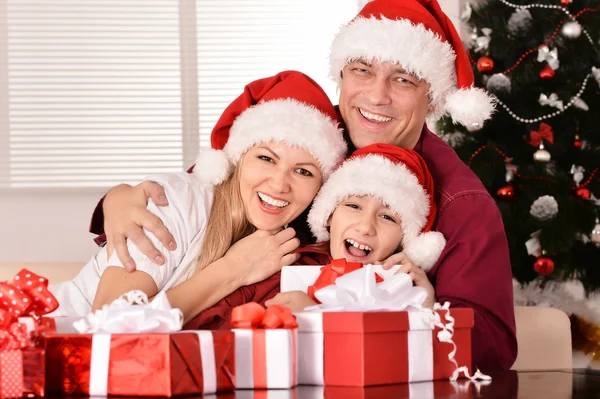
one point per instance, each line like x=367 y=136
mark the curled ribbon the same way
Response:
x=545 y=132
x=363 y=289
x=26 y=294
x=551 y=57
x=133 y=313
x=253 y=315
x=330 y=273
x=552 y=101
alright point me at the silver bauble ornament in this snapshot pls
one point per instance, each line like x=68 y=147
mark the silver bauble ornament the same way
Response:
x=571 y=30
x=498 y=83
x=541 y=155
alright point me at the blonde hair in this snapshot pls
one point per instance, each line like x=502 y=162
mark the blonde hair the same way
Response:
x=227 y=223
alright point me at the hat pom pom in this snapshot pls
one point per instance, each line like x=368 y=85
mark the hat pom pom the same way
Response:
x=425 y=249
x=212 y=166
x=470 y=107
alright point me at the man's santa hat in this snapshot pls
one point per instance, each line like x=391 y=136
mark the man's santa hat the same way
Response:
x=289 y=107
x=401 y=180
x=417 y=35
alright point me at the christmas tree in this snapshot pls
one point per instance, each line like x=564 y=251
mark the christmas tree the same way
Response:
x=539 y=156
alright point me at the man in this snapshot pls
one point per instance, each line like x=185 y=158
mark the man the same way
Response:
x=396 y=63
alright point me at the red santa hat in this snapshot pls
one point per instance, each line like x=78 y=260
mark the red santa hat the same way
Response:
x=401 y=180
x=289 y=107
x=417 y=35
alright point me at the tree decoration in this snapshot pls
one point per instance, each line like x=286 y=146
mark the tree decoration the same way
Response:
x=544 y=208
x=506 y=192
x=481 y=43
x=499 y=83
x=542 y=155
x=544 y=265
x=537 y=137
x=565 y=3
x=577 y=172
x=596 y=73
x=571 y=30
x=549 y=56
x=547 y=73
x=577 y=143
x=519 y=22
x=583 y=193
x=595 y=236
x=579 y=103
x=552 y=101
x=485 y=64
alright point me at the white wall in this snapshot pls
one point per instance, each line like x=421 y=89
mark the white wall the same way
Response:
x=39 y=226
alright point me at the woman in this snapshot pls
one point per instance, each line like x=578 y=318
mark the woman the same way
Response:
x=283 y=141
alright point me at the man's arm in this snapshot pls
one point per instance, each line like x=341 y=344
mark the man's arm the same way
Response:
x=474 y=271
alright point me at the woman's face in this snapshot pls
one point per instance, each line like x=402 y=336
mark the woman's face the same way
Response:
x=277 y=183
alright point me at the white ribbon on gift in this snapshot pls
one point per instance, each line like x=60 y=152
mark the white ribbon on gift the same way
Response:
x=358 y=291
x=133 y=313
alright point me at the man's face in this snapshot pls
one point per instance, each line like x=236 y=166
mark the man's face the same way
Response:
x=382 y=103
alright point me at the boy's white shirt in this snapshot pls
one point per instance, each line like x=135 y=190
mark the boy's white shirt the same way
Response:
x=185 y=217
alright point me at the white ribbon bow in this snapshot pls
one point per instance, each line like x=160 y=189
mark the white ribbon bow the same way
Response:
x=358 y=291
x=534 y=248
x=596 y=73
x=552 y=101
x=133 y=313
x=551 y=57
x=483 y=42
x=577 y=172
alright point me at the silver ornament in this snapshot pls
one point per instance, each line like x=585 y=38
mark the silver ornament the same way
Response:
x=498 y=83
x=577 y=172
x=544 y=208
x=519 y=22
x=571 y=30
x=541 y=155
x=579 y=103
x=596 y=233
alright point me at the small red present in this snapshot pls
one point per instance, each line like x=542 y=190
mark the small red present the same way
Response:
x=265 y=346
x=155 y=364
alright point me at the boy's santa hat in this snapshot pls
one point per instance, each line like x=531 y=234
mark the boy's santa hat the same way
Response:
x=401 y=180
x=417 y=35
x=289 y=107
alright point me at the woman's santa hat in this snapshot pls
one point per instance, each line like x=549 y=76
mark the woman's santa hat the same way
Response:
x=401 y=180
x=289 y=107
x=417 y=35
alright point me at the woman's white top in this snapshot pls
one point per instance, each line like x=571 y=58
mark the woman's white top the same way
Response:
x=185 y=217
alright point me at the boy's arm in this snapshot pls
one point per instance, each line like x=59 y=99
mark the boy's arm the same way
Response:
x=474 y=271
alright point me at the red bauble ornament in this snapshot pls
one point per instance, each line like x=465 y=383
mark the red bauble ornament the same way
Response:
x=565 y=3
x=485 y=64
x=543 y=265
x=578 y=143
x=547 y=73
x=506 y=192
x=583 y=193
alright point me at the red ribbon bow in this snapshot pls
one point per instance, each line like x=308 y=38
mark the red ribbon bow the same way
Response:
x=13 y=337
x=545 y=133
x=330 y=273
x=26 y=294
x=253 y=315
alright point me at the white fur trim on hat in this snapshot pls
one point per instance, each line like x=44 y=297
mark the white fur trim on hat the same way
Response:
x=470 y=107
x=292 y=122
x=373 y=175
x=419 y=50
x=212 y=166
x=425 y=249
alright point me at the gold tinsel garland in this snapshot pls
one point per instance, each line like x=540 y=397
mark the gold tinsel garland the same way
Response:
x=586 y=337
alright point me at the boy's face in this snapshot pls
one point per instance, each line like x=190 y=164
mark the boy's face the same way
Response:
x=363 y=229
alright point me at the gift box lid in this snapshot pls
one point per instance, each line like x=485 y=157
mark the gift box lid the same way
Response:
x=371 y=322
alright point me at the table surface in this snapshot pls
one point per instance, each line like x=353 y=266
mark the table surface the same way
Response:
x=559 y=384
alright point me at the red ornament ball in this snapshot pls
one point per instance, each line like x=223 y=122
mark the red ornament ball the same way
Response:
x=578 y=143
x=547 y=73
x=583 y=193
x=543 y=266
x=485 y=64
x=565 y=3
x=506 y=192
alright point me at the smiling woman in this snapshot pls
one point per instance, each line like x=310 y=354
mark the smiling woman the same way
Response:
x=280 y=141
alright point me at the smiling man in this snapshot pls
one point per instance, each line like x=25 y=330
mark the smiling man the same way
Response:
x=396 y=63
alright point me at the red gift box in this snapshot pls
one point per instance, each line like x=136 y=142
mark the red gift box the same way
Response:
x=140 y=364
x=377 y=348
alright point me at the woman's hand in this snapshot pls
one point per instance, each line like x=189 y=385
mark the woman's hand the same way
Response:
x=295 y=300
x=126 y=216
x=418 y=275
x=262 y=254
